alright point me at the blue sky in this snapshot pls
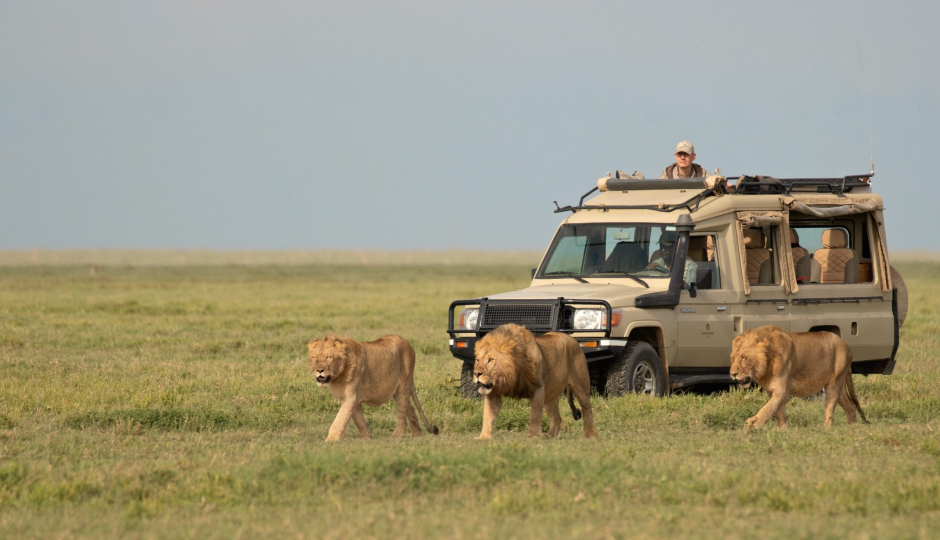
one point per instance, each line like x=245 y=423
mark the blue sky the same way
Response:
x=437 y=125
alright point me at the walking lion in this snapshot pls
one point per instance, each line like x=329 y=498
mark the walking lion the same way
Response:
x=795 y=364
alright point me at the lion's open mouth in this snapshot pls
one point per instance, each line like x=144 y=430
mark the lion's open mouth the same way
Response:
x=324 y=380
x=745 y=383
x=488 y=386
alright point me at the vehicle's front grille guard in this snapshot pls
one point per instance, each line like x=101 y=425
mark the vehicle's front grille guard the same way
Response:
x=557 y=309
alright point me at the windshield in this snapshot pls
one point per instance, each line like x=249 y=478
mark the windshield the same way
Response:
x=609 y=249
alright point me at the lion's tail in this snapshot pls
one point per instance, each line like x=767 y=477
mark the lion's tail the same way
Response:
x=850 y=386
x=575 y=412
x=431 y=429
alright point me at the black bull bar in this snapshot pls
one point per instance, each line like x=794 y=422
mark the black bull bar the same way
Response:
x=539 y=317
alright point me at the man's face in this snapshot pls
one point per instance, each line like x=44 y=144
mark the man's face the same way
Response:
x=684 y=160
x=668 y=251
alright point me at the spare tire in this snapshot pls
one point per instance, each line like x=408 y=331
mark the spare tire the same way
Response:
x=898 y=283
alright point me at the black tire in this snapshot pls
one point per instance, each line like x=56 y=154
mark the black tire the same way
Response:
x=637 y=371
x=468 y=388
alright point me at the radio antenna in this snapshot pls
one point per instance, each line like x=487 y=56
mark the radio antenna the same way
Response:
x=871 y=131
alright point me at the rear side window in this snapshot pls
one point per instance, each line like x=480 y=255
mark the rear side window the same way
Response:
x=811 y=237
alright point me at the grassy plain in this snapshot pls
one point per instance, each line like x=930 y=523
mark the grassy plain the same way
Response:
x=175 y=402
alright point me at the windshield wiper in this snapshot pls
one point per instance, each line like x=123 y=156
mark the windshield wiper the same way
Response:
x=634 y=278
x=572 y=275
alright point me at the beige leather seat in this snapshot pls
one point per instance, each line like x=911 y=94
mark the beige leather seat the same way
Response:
x=837 y=263
x=756 y=254
x=697 y=248
x=801 y=260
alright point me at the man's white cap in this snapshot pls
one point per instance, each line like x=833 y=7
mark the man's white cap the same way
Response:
x=685 y=146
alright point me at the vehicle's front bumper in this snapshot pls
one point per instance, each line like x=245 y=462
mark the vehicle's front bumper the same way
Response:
x=595 y=349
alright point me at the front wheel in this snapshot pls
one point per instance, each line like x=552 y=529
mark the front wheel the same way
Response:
x=637 y=371
x=468 y=388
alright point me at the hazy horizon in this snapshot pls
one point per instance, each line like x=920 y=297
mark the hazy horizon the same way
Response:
x=421 y=125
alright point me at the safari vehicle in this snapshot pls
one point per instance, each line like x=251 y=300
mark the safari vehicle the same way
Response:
x=806 y=254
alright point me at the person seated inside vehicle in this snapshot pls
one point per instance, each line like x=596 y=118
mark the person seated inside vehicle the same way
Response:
x=667 y=251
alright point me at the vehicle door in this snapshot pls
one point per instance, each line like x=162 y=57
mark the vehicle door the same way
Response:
x=708 y=321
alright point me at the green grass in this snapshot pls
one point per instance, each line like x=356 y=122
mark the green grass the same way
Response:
x=176 y=403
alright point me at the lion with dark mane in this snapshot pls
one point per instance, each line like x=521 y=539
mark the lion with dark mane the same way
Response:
x=367 y=372
x=511 y=362
x=795 y=364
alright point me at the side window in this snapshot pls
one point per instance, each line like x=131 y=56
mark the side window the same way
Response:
x=811 y=238
x=760 y=250
x=833 y=254
x=704 y=253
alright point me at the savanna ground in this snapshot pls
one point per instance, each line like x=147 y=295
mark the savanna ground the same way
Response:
x=176 y=402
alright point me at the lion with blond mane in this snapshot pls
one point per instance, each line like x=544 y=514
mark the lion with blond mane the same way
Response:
x=795 y=364
x=511 y=362
x=370 y=373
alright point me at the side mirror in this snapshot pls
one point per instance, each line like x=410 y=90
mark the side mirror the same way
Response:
x=533 y=274
x=693 y=290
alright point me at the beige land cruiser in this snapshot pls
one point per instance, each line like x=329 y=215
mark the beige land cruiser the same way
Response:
x=808 y=255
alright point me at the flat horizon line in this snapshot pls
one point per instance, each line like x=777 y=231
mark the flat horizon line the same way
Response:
x=259 y=257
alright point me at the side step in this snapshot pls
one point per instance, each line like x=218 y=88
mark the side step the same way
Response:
x=677 y=382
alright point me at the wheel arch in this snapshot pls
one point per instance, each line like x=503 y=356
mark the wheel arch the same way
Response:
x=652 y=333
x=832 y=328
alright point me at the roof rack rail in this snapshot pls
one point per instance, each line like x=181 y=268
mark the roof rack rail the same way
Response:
x=765 y=184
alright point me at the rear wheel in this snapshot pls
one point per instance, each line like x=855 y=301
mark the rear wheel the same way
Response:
x=468 y=388
x=637 y=371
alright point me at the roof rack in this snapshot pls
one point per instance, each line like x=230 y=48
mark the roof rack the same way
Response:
x=751 y=185
x=691 y=204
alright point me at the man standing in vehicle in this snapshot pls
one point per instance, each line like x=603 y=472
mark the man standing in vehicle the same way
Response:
x=667 y=250
x=684 y=166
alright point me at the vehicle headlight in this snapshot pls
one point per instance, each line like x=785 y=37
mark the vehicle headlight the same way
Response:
x=589 y=319
x=595 y=319
x=469 y=319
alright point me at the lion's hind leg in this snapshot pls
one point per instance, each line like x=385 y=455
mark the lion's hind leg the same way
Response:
x=850 y=392
x=849 y=402
x=834 y=392
x=848 y=407
x=582 y=392
x=406 y=414
x=554 y=418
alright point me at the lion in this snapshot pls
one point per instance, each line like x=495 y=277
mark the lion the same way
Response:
x=371 y=373
x=511 y=362
x=795 y=364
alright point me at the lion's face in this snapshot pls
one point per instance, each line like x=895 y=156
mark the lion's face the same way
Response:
x=327 y=359
x=748 y=360
x=494 y=367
